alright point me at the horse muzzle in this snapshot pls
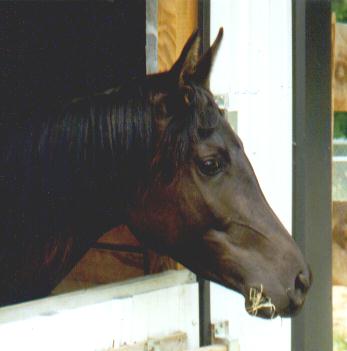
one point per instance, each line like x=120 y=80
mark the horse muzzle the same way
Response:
x=259 y=302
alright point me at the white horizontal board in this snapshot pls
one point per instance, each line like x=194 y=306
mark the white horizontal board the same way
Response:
x=131 y=287
x=126 y=319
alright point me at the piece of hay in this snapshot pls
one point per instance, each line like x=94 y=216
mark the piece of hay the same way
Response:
x=260 y=302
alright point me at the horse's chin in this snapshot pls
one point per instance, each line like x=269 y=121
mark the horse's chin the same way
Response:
x=258 y=304
x=269 y=309
x=265 y=313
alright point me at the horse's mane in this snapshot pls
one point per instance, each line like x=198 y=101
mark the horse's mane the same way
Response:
x=107 y=143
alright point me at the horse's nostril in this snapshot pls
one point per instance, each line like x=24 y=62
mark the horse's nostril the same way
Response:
x=296 y=298
x=297 y=293
x=302 y=282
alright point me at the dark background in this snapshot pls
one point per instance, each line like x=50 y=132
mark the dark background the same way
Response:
x=53 y=52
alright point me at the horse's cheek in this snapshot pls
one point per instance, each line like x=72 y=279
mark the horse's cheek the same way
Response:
x=157 y=221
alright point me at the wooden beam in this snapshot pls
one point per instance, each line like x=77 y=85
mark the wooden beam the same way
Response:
x=340 y=67
x=177 y=19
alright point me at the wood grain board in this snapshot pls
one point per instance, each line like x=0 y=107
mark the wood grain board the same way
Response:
x=177 y=19
x=99 y=266
x=339 y=79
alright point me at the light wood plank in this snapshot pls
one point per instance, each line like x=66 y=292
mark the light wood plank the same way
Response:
x=187 y=22
x=177 y=19
x=167 y=34
x=340 y=68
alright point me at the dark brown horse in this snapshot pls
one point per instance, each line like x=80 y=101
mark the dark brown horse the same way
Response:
x=157 y=155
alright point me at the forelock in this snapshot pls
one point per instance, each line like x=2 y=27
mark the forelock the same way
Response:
x=192 y=115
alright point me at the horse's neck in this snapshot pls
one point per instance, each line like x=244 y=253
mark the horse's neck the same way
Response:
x=87 y=160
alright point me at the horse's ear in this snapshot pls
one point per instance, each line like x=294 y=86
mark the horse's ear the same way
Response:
x=186 y=63
x=203 y=68
x=189 y=68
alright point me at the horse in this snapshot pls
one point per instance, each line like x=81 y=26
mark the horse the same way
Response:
x=157 y=155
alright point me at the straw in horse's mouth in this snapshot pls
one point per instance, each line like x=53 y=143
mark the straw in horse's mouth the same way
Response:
x=260 y=302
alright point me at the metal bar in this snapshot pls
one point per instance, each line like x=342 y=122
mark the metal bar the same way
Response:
x=312 y=328
x=204 y=12
x=204 y=15
x=204 y=312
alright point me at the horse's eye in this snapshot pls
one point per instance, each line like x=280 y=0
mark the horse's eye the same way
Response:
x=210 y=167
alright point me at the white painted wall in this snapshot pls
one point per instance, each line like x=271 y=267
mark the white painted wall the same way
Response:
x=72 y=322
x=254 y=67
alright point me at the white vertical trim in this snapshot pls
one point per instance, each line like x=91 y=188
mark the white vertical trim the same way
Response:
x=255 y=68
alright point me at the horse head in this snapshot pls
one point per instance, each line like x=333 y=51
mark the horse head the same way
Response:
x=203 y=205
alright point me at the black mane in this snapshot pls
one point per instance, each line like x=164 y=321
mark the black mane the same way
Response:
x=98 y=149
